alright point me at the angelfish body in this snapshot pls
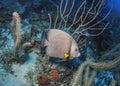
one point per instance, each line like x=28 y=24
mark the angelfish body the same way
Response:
x=60 y=44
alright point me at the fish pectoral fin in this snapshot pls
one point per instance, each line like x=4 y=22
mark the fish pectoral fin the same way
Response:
x=66 y=56
x=62 y=60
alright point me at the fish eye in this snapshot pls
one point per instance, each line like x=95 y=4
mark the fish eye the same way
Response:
x=76 y=49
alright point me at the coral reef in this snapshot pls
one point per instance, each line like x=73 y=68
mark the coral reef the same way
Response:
x=111 y=65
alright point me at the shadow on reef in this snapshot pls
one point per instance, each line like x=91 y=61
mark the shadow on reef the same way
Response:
x=72 y=64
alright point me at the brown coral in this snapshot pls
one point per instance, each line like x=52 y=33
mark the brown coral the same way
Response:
x=43 y=79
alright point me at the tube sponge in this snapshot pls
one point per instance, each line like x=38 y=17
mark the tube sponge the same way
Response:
x=16 y=20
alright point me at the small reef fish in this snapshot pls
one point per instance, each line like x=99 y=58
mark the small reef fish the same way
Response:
x=57 y=43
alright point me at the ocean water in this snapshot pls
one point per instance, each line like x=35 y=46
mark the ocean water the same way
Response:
x=92 y=25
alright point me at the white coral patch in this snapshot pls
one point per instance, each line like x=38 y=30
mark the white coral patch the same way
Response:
x=20 y=72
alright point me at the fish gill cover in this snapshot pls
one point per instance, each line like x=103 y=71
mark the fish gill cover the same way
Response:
x=94 y=25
